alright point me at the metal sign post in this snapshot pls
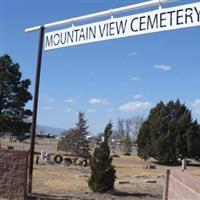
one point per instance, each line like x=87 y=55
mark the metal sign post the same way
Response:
x=35 y=107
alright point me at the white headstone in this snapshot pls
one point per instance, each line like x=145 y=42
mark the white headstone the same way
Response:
x=43 y=153
x=184 y=164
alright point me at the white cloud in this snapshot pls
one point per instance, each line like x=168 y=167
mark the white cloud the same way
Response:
x=138 y=96
x=50 y=100
x=91 y=110
x=162 y=67
x=46 y=98
x=134 y=105
x=68 y=110
x=46 y=108
x=196 y=106
x=70 y=101
x=132 y=54
x=98 y=101
x=110 y=110
x=134 y=78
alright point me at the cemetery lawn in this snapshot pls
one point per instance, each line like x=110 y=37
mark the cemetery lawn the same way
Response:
x=71 y=181
x=54 y=181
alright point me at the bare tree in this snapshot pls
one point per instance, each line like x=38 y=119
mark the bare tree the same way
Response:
x=123 y=132
x=136 y=125
x=128 y=127
x=123 y=128
x=127 y=131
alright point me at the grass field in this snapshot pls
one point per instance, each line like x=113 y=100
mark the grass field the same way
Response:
x=54 y=181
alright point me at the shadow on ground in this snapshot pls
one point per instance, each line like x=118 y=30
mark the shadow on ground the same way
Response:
x=52 y=197
x=194 y=164
x=135 y=194
x=94 y=196
x=167 y=164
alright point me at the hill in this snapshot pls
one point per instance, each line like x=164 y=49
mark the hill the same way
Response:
x=42 y=129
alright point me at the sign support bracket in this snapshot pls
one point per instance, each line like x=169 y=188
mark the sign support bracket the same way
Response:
x=160 y=5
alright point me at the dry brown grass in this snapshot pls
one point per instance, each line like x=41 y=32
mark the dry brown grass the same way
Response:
x=61 y=180
x=49 y=145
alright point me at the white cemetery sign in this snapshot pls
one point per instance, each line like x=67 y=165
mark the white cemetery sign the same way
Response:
x=150 y=22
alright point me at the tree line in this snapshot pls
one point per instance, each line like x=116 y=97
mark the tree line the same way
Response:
x=75 y=139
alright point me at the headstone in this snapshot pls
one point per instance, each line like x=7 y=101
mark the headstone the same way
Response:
x=10 y=147
x=150 y=166
x=37 y=160
x=184 y=164
x=47 y=157
x=85 y=163
x=123 y=182
x=151 y=181
x=43 y=153
x=67 y=161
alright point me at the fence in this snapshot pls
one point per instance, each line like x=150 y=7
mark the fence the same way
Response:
x=180 y=185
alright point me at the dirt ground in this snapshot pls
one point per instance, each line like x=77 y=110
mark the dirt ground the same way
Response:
x=55 y=181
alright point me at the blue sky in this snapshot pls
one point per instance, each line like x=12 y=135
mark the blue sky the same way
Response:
x=107 y=80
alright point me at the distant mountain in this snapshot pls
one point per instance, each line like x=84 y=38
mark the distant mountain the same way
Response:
x=41 y=129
